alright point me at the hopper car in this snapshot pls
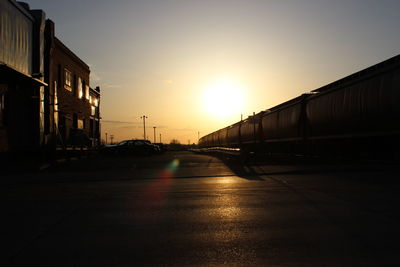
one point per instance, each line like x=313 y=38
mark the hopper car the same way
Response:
x=359 y=114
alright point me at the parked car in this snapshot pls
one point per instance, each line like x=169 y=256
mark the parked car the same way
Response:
x=131 y=147
x=162 y=147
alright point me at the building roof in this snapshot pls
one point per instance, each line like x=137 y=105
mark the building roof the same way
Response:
x=70 y=53
x=95 y=90
x=12 y=73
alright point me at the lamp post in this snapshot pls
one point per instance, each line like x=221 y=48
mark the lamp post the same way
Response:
x=160 y=138
x=144 y=126
x=106 y=138
x=154 y=127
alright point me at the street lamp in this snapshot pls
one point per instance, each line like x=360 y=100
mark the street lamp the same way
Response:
x=154 y=127
x=144 y=126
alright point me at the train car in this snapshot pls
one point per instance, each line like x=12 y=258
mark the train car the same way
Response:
x=358 y=113
x=214 y=139
x=204 y=141
x=249 y=132
x=233 y=135
x=283 y=126
x=223 y=137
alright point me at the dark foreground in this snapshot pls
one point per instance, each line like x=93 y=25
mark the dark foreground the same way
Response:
x=188 y=209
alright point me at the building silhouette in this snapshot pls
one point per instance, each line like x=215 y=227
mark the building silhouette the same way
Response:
x=46 y=101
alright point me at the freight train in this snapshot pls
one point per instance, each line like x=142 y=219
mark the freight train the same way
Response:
x=359 y=114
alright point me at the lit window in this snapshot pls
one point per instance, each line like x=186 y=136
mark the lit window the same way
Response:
x=68 y=80
x=93 y=111
x=87 y=92
x=80 y=92
x=55 y=104
x=80 y=124
x=95 y=101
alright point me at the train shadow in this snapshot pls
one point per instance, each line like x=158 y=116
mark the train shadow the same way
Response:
x=259 y=167
x=239 y=166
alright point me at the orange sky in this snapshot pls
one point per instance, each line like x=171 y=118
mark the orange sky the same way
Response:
x=160 y=58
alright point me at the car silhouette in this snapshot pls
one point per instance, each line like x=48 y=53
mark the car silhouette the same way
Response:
x=131 y=147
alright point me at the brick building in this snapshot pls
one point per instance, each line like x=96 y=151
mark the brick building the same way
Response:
x=70 y=80
x=45 y=95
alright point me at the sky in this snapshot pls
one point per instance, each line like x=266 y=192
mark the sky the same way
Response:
x=195 y=66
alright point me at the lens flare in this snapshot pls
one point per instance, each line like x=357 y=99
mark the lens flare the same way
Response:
x=170 y=170
x=155 y=194
x=173 y=166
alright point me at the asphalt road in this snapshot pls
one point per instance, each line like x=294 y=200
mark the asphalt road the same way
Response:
x=186 y=209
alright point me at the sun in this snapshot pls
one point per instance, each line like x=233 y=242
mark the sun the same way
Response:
x=224 y=99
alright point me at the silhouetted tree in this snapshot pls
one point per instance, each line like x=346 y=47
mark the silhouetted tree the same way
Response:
x=175 y=145
x=175 y=142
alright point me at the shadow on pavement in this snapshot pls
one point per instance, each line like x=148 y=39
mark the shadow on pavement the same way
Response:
x=254 y=168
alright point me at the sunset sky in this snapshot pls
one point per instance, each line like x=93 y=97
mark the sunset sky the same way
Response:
x=196 y=66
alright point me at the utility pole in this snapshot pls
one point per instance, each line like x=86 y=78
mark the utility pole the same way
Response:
x=111 y=138
x=106 y=138
x=254 y=127
x=144 y=126
x=160 y=138
x=154 y=127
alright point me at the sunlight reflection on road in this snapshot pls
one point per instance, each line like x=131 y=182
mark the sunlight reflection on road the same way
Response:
x=228 y=208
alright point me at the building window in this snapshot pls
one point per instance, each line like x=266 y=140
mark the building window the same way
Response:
x=87 y=92
x=81 y=124
x=55 y=101
x=68 y=80
x=80 y=90
x=93 y=111
x=95 y=101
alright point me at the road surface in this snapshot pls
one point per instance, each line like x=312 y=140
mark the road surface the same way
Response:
x=186 y=209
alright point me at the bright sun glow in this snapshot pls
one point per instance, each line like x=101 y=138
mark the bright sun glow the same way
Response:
x=224 y=99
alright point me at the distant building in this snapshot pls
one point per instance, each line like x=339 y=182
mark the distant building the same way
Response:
x=94 y=122
x=45 y=95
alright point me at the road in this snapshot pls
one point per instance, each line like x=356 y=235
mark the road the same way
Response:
x=186 y=209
